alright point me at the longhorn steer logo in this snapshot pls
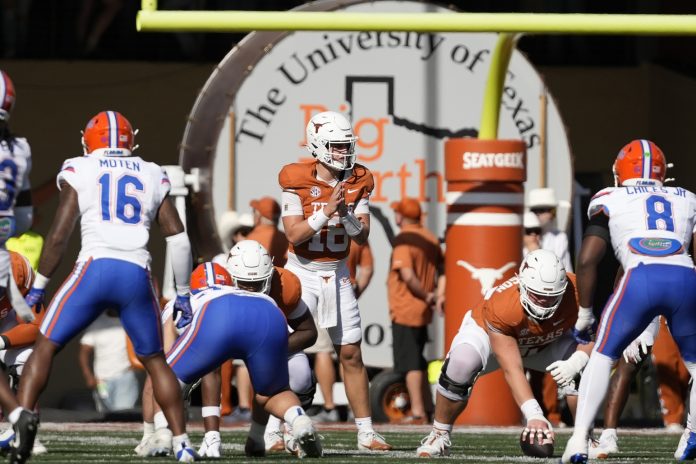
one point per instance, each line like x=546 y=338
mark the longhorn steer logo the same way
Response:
x=486 y=276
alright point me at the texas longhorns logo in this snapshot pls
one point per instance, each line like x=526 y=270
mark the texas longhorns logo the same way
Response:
x=317 y=126
x=486 y=276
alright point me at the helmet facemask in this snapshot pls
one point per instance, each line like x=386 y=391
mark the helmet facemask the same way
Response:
x=542 y=282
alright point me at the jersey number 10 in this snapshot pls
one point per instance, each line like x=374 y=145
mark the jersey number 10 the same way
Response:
x=127 y=207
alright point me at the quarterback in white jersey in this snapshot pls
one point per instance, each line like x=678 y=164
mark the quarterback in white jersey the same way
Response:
x=116 y=196
x=650 y=228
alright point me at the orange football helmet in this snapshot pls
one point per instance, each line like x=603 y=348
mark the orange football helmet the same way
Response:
x=7 y=96
x=207 y=275
x=110 y=134
x=640 y=161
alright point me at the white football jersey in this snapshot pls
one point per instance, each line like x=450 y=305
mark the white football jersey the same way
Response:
x=119 y=198
x=648 y=224
x=14 y=173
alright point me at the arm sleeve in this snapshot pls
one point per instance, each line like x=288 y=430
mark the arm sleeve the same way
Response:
x=292 y=205
x=598 y=226
x=182 y=262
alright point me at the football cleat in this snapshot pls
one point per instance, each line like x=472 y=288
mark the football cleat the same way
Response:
x=434 y=445
x=186 y=454
x=25 y=430
x=306 y=437
x=372 y=441
x=38 y=448
x=160 y=443
x=274 y=442
x=682 y=443
x=602 y=448
x=575 y=450
x=689 y=453
x=143 y=447
x=6 y=438
x=210 y=447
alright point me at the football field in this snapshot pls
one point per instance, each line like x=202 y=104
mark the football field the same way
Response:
x=99 y=442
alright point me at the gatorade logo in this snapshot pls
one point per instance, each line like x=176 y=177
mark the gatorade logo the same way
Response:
x=473 y=160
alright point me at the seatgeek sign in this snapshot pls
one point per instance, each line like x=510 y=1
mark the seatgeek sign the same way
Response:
x=406 y=93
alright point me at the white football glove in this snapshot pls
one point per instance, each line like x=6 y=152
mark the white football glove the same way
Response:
x=638 y=348
x=564 y=372
x=534 y=433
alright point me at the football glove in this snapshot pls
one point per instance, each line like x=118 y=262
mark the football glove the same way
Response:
x=35 y=297
x=564 y=372
x=583 y=330
x=182 y=313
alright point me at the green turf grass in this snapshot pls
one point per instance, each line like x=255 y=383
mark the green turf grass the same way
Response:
x=478 y=446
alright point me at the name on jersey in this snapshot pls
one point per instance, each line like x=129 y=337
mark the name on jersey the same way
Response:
x=119 y=163
x=474 y=160
x=543 y=339
x=636 y=189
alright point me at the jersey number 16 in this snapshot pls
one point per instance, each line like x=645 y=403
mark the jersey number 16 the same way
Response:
x=126 y=207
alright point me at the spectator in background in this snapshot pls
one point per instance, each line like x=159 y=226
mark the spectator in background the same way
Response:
x=265 y=231
x=543 y=203
x=112 y=380
x=416 y=262
x=531 y=240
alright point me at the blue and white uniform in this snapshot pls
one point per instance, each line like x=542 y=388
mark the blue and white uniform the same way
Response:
x=15 y=165
x=118 y=199
x=651 y=228
x=232 y=323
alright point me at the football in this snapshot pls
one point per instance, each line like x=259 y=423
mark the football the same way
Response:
x=536 y=449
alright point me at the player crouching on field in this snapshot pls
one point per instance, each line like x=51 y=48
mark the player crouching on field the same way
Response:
x=526 y=322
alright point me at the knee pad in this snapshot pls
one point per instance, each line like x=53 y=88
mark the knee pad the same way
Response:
x=306 y=397
x=454 y=390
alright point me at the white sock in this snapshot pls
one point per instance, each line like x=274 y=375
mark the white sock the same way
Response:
x=440 y=427
x=256 y=432
x=212 y=434
x=179 y=440
x=364 y=424
x=273 y=424
x=593 y=388
x=13 y=417
x=160 y=421
x=148 y=429
x=691 y=367
x=293 y=413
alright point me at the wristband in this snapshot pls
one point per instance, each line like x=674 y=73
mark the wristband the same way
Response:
x=531 y=408
x=318 y=220
x=40 y=281
x=584 y=310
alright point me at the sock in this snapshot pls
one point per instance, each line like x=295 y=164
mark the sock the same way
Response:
x=212 y=434
x=593 y=388
x=208 y=411
x=440 y=427
x=256 y=432
x=179 y=440
x=691 y=367
x=13 y=417
x=148 y=429
x=293 y=413
x=688 y=421
x=160 y=421
x=364 y=424
x=273 y=424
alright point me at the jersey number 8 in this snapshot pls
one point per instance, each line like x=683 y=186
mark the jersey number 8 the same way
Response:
x=659 y=212
x=127 y=206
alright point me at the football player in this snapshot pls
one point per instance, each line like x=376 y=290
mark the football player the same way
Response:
x=325 y=206
x=650 y=228
x=234 y=323
x=17 y=338
x=117 y=196
x=15 y=218
x=252 y=270
x=525 y=322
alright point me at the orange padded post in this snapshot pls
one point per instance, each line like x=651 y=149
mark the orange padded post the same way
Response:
x=485 y=201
